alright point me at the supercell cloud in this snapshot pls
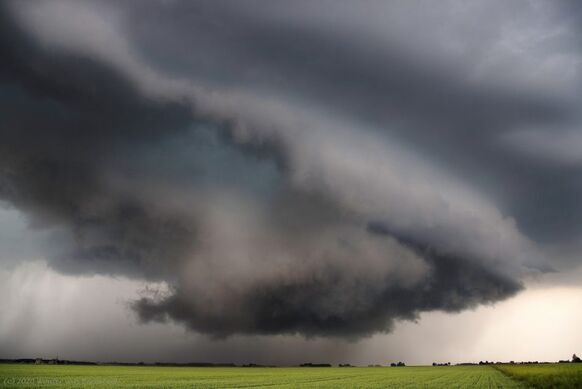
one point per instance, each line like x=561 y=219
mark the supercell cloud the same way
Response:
x=315 y=168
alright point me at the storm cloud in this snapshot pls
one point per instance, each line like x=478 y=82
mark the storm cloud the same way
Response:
x=313 y=168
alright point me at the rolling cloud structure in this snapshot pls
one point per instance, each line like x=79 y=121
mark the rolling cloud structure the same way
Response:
x=293 y=168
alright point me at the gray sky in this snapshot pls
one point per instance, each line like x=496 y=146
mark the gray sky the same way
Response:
x=344 y=181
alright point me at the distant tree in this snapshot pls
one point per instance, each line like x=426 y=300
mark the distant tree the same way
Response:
x=315 y=365
x=576 y=359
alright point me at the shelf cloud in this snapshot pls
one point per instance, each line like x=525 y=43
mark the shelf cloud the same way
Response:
x=293 y=168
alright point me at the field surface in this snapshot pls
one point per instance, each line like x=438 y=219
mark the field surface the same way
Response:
x=59 y=376
x=553 y=375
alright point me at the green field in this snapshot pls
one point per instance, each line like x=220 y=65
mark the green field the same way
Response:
x=63 y=376
x=51 y=376
x=546 y=375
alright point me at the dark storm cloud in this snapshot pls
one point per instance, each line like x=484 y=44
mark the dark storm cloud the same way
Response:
x=309 y=307
x=62 y=117
x=425 y=103
x=255 y=161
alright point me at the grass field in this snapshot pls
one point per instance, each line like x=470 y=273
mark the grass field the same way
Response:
x=545 y=375
x=499 y=376
x=62 y=376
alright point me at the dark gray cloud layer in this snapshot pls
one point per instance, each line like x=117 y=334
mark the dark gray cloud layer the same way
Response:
x=432 y=104
x=286 y=171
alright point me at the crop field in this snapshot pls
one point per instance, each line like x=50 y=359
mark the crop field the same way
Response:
x=568 y=375
x=62 y=376
x=505 y=376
